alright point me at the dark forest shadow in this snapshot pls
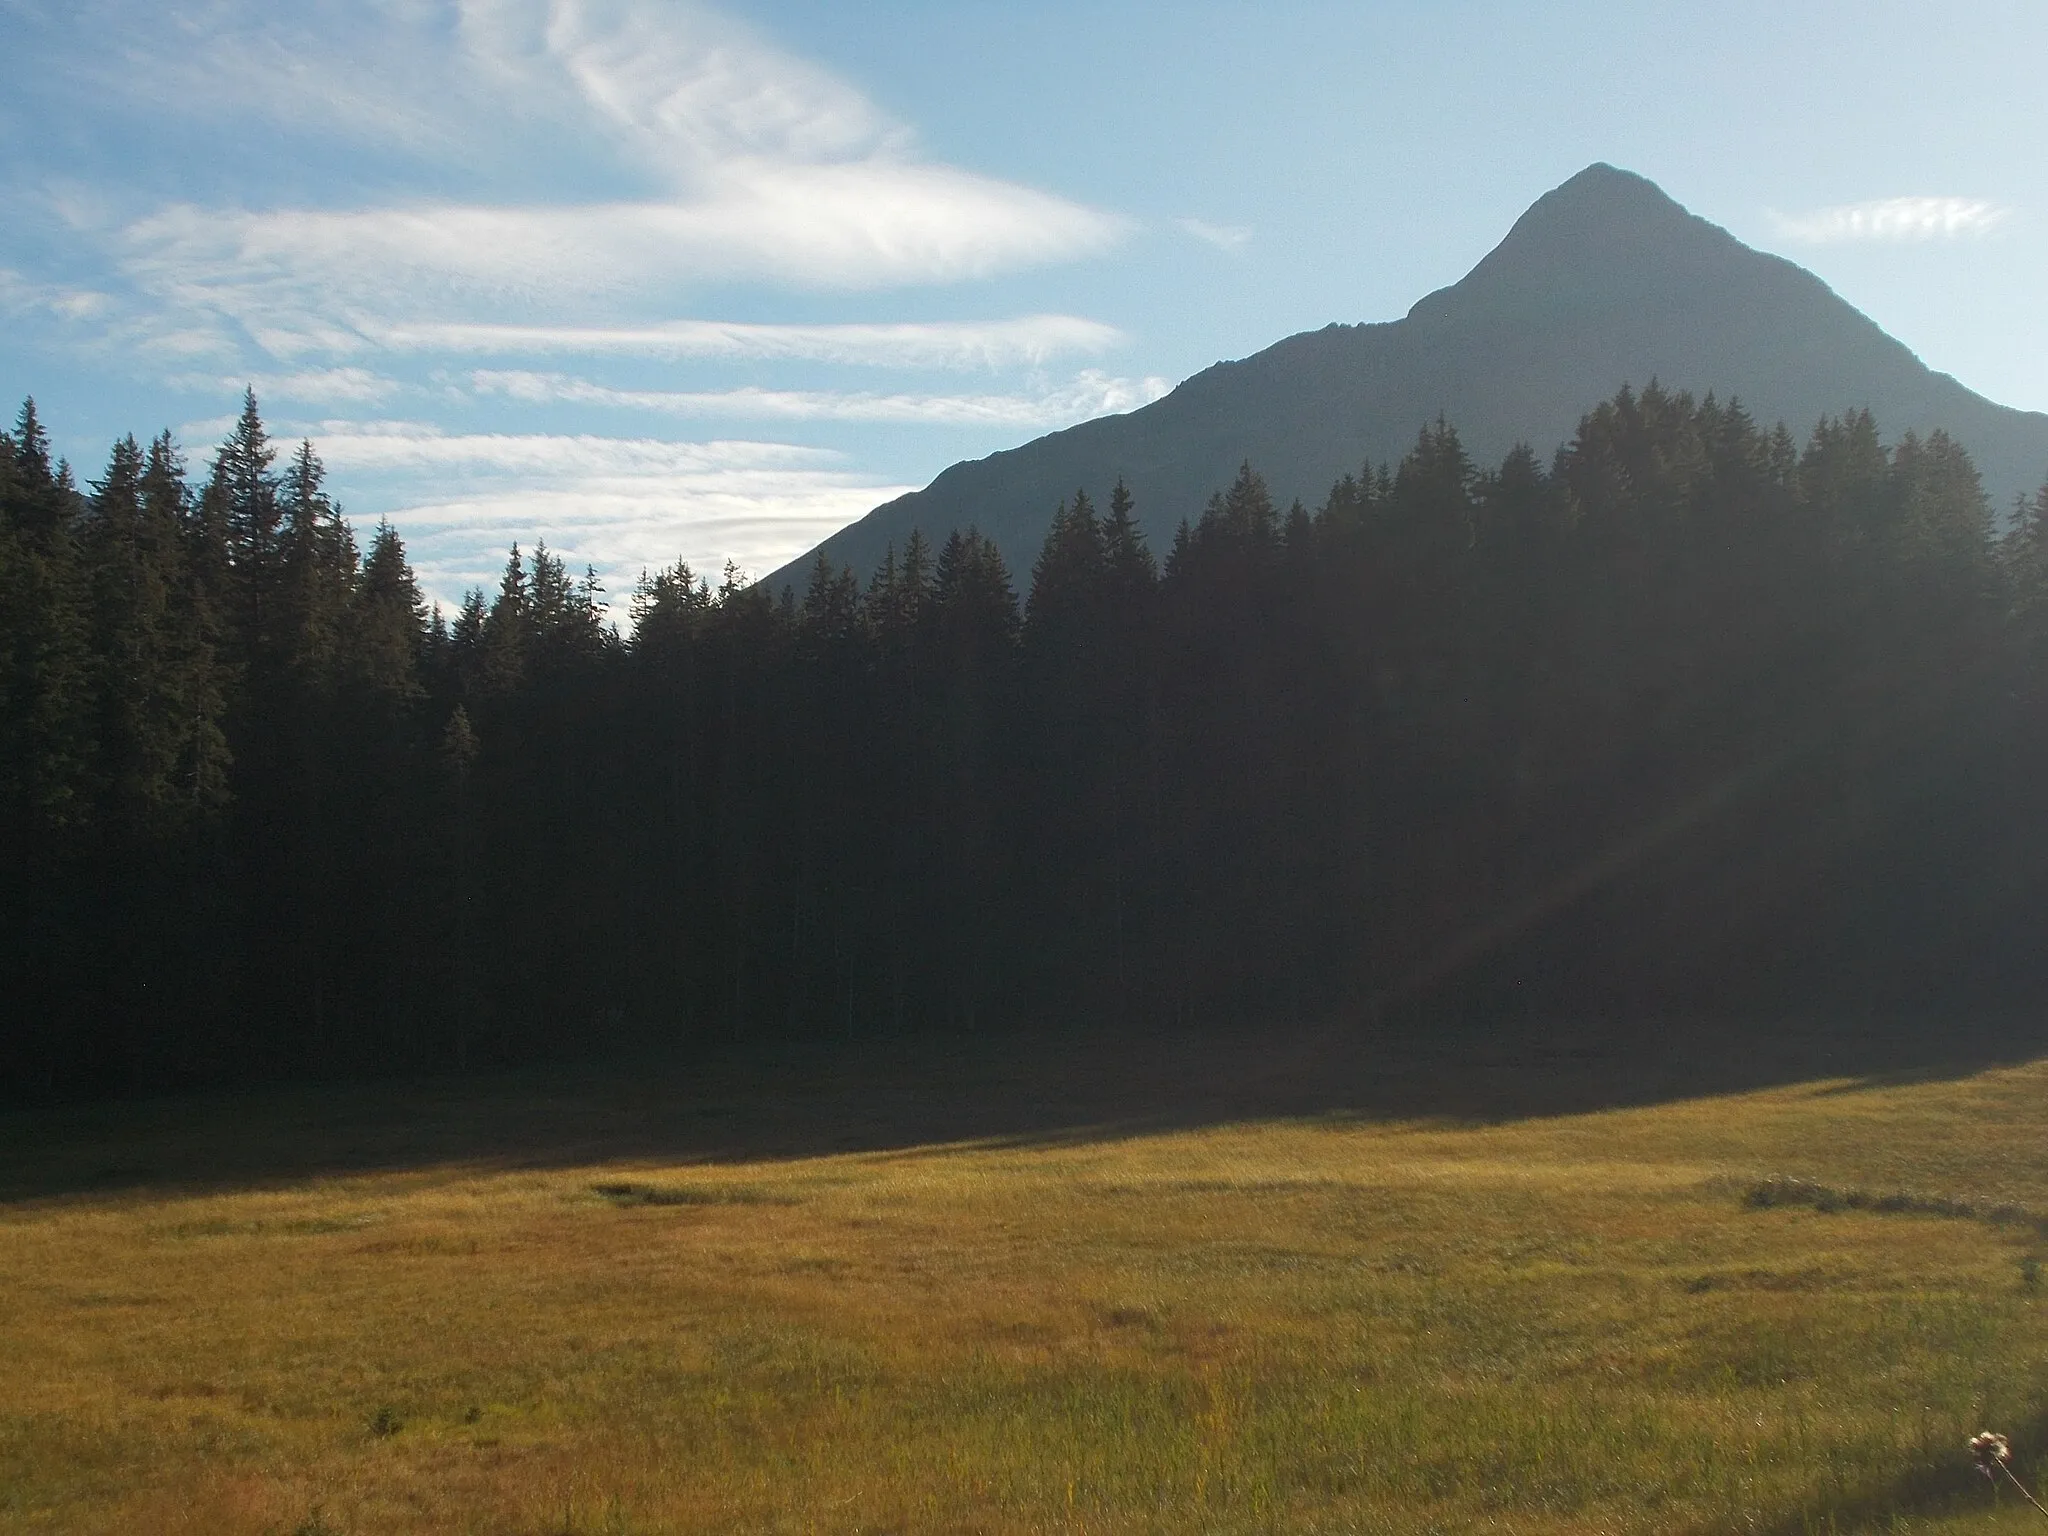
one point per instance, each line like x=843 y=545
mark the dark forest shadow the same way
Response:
x=898 y=1092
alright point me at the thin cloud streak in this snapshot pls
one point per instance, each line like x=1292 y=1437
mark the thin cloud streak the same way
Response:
x=1091 y=394
x=1031 y=339
x=22 y=295
x=1225 y=237
x=816 y=227
x=406 y=447
x=312 y=386
x=1895 y=219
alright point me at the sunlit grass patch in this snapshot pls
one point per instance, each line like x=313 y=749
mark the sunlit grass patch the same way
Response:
x=1578 y=1324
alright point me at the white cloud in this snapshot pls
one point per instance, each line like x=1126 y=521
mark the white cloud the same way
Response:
x=378 y=74
x=315 y=386
x=349 y=386
x=1090 y=394
x=764 y=169
x=670 y=515
x=169 y=342
x=846 y=226
x=1033 y=339
x=211 y=429
x=687 y=86
x=1225 y=237
x=1895 y=219
x=79 y=303
x=383 y=447
x=21 y=295
x=619 y=504
x=479 y=84
x=759 y=523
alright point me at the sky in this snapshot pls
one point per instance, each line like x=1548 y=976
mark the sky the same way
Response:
x=656 y=280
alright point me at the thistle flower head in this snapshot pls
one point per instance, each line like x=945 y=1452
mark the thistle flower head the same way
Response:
x=1991 y=1451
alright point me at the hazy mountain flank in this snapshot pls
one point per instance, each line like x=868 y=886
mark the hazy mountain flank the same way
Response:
x=1603 y=282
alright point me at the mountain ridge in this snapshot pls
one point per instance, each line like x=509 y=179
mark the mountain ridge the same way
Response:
x=1604 y=281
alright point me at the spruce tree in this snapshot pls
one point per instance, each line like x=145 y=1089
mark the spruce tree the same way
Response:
x=831 y=612
x=239 y=509
x=48 y=758
x=136 y=573
x=507 y=632
x=1069 y=580
x=198 y=678
x=898 y=603
x=317 y=567
x=667 y=610
x=386 y=632
x=1130 y=570
x=466 y=656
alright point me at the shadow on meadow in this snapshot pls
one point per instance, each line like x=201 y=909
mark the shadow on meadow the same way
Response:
x=891 y=1092
x=1948 y=1486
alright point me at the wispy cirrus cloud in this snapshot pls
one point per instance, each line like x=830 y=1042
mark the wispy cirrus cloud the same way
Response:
x=1895 y=219
x=620 y=505
x=1090 y=394
x=859 y=226
x=1032 y=340
x=388 y=446
x=1225 y=237
x=310 y=386
x=21 y=295
x=759 y=168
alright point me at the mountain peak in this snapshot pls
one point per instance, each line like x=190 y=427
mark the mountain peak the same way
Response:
x=1609 y=183
x=1603 y=227
x=1600 y=202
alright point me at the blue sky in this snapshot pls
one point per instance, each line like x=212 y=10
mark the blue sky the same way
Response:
x=656 y=279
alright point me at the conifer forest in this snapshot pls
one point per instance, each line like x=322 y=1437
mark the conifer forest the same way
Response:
x=1692 y=717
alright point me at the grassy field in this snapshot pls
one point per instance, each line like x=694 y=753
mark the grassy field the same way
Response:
x=1159 y=1293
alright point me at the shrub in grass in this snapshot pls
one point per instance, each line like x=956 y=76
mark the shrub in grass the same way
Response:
x=1993 y=1455
x=625 y=1193
x=1772 y=1193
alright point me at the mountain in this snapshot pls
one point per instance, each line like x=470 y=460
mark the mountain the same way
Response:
x=1603 y=282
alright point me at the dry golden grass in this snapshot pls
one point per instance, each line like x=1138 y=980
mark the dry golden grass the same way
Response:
x=1561 y=1324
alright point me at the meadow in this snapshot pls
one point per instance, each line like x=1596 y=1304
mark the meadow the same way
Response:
x=1275 y=1284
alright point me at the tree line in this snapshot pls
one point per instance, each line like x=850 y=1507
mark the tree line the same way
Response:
x=1692 y=717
